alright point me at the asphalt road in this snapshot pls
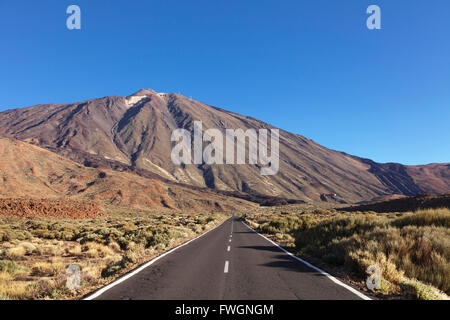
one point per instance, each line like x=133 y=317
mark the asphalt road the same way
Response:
x=230 y=262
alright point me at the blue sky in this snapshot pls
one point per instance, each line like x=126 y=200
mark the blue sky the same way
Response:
x=309 y=67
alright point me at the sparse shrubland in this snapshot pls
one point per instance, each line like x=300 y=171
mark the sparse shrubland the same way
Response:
x=411 y=249
x=35 y=253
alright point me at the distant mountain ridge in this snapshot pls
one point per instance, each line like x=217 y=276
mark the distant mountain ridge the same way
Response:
x=134 y=133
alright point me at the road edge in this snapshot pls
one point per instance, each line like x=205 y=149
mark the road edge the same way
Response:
x=134 y=272
x=329 y=276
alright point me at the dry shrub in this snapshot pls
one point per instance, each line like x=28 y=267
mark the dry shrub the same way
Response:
x=114 y=246
x=73 y=251
x=12 y=267
x=11 y=289
x=288 y=225
x=421 y=291
x=50 y=250
x=48 y=268
x=96 y=250
x=29 y=247
x=427 y=217
x=16 y=252
x=54 y=288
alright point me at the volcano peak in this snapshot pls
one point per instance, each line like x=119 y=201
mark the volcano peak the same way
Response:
x=144 y=92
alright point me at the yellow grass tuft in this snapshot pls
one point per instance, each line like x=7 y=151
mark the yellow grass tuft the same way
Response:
x=11 y=289
x=50 y=268
x=16 y=252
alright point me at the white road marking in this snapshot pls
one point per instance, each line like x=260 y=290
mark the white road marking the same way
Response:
x=137 y=270
x=329 y=276
x=228 y=249
x=225 y=269
x=230 y=240
x=231 y=236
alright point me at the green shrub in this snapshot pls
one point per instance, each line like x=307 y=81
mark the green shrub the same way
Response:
x=288 y=225
x=9 y=234
x=12 y=267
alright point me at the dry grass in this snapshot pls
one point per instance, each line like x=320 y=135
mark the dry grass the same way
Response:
x=15 y=253
x=51 y=268
x=96 y=250
x=13 y=290
x=50 y=250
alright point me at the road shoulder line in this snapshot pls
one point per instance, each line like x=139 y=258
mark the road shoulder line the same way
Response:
x=132 y=273
x=329 y=276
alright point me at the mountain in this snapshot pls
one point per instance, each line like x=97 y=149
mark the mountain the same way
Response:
x=30 y=172
x=134 y=134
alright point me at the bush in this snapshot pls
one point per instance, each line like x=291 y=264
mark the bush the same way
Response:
x=11 y=267
x=327 y=231
x=48 y=269
x=29 y=247
x=288 y=225
x=429 y=217
x=16 y=252
x=8 y=234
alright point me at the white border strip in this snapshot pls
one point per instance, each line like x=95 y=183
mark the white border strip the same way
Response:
x=147 y=264
x=359 y=294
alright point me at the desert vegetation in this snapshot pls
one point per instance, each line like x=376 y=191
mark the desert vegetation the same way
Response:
x=35 y=253
x=411 y=249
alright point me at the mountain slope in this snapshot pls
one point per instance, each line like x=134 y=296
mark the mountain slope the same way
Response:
x=28 y=171
x=134 y=133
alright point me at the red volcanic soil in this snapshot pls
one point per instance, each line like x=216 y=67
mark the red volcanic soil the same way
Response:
x=50 y=209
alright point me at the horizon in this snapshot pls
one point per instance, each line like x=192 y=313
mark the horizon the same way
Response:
x=315 y=70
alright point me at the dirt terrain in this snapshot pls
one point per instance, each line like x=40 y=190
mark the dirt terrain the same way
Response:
x=30 y=172
x=25 y=208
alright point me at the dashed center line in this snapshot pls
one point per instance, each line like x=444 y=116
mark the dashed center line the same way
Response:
x=228 y=249
x=225 y=270
x=230 y=240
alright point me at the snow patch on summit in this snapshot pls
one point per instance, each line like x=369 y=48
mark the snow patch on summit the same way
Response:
x=132 y=100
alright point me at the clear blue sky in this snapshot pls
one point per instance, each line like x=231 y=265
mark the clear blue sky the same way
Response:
x=309 y=67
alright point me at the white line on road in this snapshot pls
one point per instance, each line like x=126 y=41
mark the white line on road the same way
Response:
x=230 y=240
x=225 y=269
x=228 y=249
x=232 y=223
x=329 y=276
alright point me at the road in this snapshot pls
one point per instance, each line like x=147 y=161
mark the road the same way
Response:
x=231 y=262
